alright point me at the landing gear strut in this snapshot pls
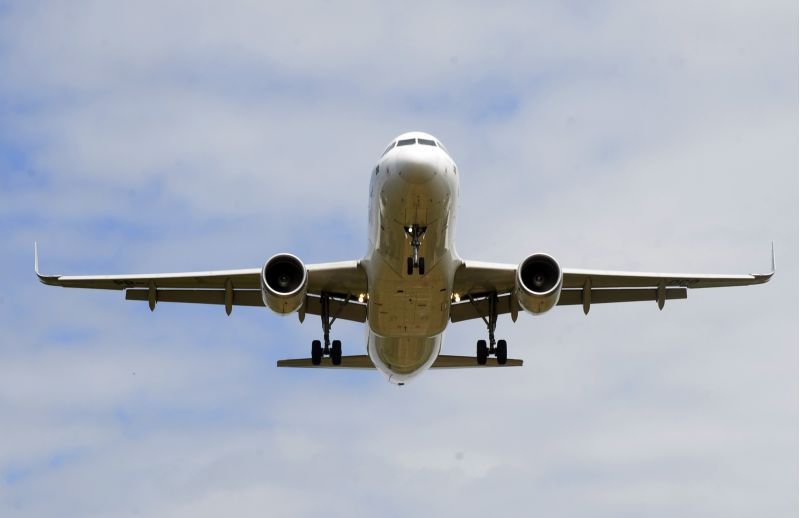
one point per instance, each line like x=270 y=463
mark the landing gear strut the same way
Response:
x=415 y=232
x=332 y=349
x=499 y=348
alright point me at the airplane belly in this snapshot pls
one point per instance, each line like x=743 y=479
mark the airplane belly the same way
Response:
x=408 y=312
x=403 y=305
x=403 y=358
x=403 y=309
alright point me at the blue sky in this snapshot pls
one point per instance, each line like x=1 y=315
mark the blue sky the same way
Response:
x=175 y=136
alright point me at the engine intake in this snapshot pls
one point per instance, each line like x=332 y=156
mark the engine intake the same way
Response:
x=283 y=283
x=538 y=283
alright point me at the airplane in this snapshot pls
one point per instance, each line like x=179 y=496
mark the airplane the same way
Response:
x=411 y=283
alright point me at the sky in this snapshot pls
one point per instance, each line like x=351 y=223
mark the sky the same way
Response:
x=159 y=136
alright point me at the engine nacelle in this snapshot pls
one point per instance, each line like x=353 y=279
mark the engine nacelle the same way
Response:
x=538 y=283
x=283 y=283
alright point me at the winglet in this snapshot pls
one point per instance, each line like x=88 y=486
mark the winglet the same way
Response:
x=44 y=279
x=773 y=258
x=760 y=278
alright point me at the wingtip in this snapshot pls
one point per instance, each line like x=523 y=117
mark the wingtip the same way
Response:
x=44 y=279
x=761 y=278
x=772 y=265
x=766 y=277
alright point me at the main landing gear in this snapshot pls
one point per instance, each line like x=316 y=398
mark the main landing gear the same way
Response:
x=332 y=349
x=499 y=349
x=415 y=232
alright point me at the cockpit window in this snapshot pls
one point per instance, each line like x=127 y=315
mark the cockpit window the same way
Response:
x=406 y=142
x=426 y=142
x=441 y=146
x=389 y=148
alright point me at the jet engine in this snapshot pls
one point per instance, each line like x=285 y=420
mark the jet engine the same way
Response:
x=538 y=283
x=283 y=283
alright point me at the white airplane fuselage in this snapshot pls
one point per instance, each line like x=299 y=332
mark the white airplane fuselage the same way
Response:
x=412 y=186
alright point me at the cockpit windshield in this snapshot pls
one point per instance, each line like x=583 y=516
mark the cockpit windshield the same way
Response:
x=413 y=141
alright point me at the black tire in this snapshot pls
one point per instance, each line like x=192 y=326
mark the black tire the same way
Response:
x=482 y=352
x=316 y=352
x=410 y=265
x=336 y=352
x=421 y=266
x=502 y=352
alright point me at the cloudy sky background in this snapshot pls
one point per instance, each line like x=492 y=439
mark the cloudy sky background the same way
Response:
x=174 y=136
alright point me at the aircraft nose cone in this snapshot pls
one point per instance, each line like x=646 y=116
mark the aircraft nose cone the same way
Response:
x=415 y=171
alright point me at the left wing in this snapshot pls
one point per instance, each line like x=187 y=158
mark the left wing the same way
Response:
x=476 y=281
x=343 y=281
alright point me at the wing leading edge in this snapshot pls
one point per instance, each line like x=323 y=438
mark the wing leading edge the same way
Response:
x=475 y=281
x=344 y=281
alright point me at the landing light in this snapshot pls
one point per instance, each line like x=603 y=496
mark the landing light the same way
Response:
x=456 y=297
x=361 y=297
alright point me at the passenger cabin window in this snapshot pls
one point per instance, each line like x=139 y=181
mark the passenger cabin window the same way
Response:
x=389 y=148
x=426 y=142
x=406 y=142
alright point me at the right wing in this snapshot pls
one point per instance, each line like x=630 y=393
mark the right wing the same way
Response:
x=342 y=281
x=476 y=281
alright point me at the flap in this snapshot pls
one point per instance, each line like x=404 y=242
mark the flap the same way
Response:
x=240 y=297
x=339 y=308
x=352 y=310
x=466 y=310
x=612 y=279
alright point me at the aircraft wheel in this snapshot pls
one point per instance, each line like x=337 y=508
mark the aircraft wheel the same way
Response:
x=421 y=266
x=482 y=352
x=316 y=352
x=410 y=265
x=502 y=352
x=336 y=352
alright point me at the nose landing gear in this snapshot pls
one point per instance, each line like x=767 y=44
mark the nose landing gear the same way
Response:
x=416 y=233
x=498 y=348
